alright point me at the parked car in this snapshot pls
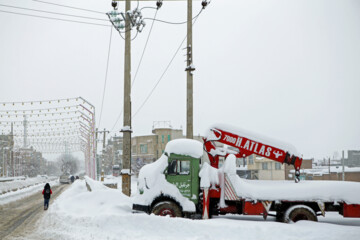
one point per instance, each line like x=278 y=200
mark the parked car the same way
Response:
x=64 y=179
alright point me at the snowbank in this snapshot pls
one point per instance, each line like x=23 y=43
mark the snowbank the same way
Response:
x=78 y=202
x=6 y=187
x=106 y=214
x=24 y=191
x=152 y=183
x=94 y=185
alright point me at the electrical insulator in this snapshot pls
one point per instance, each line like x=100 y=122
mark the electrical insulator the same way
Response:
x=119 y=25
x=159 y=4
x=114 y=4
x=204 y=3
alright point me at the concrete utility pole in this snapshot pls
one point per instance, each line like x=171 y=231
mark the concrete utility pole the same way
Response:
x=126 y=174
x=189 y=75
x=343 y=166
x=329 y=170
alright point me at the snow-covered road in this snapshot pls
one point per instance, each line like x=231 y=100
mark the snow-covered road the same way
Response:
x=106 y=214
x=19 y=215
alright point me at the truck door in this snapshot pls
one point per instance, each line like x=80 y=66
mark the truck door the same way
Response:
x=181 y=173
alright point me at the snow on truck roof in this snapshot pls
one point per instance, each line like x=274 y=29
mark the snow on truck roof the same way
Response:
x=184 y=146
x=255 y=136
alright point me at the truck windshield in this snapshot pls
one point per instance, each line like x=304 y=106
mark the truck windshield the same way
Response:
x=177 y=167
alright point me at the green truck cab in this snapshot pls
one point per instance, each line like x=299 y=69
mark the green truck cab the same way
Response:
x=183 y=172
x=176 y=193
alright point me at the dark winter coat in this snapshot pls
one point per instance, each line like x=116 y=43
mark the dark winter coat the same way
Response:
x=47 y=191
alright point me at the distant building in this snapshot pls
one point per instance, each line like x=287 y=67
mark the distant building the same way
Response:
x=333 y=173
x=353 y=159
x=148 y=148
x=262 y=168
x=5 y=155
x=28 y=162
x=111 y=155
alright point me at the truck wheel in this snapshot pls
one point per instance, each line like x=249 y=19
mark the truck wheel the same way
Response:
x=167 y=209
x=299 y=212
x=279 y=216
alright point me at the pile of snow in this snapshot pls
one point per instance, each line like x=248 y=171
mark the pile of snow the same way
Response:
x=152 y=183
x=94 y=185
x=79 y=202
x=209 y=176
x=106 y=214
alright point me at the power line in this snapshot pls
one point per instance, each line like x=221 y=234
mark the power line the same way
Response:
x=106 y=74
x=63 y=14
x=162 y=75
x=175 y=23
x=138 y=67
x=58 y=19
x=66 y=6
x=143 y=52
x=117 y=120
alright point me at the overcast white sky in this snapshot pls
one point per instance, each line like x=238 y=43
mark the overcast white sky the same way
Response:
x=287 y=69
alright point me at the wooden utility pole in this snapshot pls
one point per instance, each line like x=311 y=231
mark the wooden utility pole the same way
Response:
x=126 y=172
x=189 y=75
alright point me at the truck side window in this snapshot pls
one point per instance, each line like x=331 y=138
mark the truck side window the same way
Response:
x=184 y=167
x=172 y=167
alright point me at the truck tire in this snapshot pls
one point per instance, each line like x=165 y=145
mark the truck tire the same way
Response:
x=279 y=216
x=299 y=212
x=167 y=208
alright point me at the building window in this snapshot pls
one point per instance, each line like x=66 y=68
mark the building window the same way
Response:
x=277 y=166
x=162 y=138
x=169 y=138
x=264 y=166
x=251 y=159
x=143 y=148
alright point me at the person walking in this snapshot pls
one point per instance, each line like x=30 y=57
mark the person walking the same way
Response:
x=47 y=194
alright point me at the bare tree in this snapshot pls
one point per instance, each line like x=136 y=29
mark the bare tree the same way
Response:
x=68 y=163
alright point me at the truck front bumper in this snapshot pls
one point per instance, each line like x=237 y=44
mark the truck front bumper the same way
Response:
x=142 y=208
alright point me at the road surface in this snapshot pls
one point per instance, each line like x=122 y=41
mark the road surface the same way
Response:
x=18 y=218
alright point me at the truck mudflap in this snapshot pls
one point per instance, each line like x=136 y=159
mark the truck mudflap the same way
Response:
x=142 y=208
x=351 y=210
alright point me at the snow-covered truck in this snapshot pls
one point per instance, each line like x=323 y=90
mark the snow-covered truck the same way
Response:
x=178 y=184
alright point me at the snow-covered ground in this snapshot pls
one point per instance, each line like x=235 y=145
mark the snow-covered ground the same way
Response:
x=14 y=190
x=106 y=213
